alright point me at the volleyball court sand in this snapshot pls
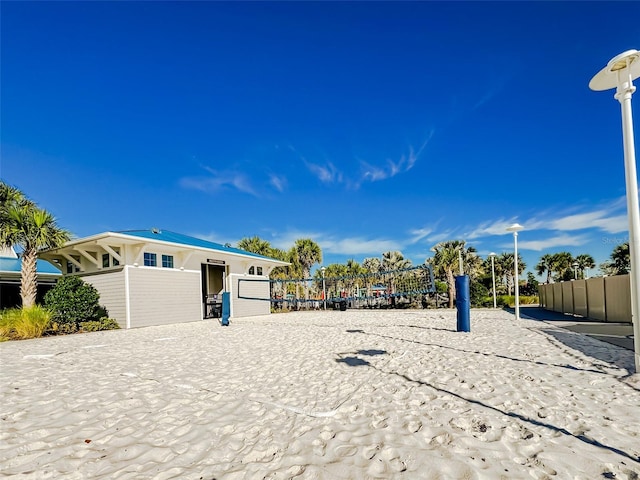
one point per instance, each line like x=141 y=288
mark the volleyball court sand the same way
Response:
x=322 y=395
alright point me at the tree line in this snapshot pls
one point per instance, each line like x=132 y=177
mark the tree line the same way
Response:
x=26 y=225
x=449 y=256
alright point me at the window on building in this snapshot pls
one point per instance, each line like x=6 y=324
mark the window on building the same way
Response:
x=114 y=262
x=167 y=261
x=258 y=270
x=105 y=260
x=252 y=270
x=150 y=260
x=71 y=267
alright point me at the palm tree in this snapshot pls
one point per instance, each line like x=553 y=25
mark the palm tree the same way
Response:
x=619 y=261
x=445 y=261
x=393 y=262
x=545 y=265
x=355 y=273
x=33 y=229
x=506 y=267
x=371 y=265
x=256 y=245
x=307 y=253
x=561 y=264
x=585 y=262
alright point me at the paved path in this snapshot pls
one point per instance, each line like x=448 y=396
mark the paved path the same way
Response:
x=620 y=334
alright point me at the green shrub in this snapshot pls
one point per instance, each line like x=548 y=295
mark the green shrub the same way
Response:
x=72 y=301
x=21 y=323
x=478 y=294
x=510 y=300
x=97 y=325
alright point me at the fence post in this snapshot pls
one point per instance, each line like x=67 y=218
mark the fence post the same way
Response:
x=462 y=303
x=226 y=308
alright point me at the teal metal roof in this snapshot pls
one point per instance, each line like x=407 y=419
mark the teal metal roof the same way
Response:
x=172 y=237
x=14 y=265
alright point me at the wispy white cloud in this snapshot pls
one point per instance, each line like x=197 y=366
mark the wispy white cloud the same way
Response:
x=279 y=182
x=498 y=227
x=337 y=245
x=325 y=173
x=391 y=168
x=419 y=234
x=609 y=217
x=215 y=181
x=552 y=242
x=360 y=246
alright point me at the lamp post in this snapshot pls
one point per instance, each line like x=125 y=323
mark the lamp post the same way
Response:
x=620 y=73
x=515 y=228
x=575 y=266
x=324 y=290
x=493 y=278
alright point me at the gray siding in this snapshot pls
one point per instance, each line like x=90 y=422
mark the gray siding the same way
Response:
x=161 y=296
x=111 y=287
x=258 y=292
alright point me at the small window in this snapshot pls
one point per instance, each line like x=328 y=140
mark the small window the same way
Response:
x=114 y=262
x=105 y=260
x=252 y=271
x=167 y=261
x=71 y=267
x=259 y=270
x=150 y=260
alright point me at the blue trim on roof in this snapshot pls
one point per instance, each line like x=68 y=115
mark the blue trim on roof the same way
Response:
x=14 y=265
x=172 y=237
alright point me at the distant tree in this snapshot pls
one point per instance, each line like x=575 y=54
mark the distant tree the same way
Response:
x=394 y=260
x=545 y=265
x=507 y=269
x=256 y=245
x=585 y=262
x=372 y=265
x=531 y=287
x=619 y=261
x=24 y=224
x=561 y=264
x=445 y=263
x=307 y=253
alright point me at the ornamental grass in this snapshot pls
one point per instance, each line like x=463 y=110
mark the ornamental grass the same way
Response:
x=23 y=323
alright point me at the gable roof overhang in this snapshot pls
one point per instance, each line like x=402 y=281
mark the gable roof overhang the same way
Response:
x=145 y=239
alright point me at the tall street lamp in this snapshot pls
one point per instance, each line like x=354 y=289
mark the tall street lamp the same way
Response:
x=324 y=290
x=515 y=228
x=620 y=73
x=493 y=278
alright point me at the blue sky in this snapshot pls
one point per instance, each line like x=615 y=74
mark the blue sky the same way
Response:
x=367 y=127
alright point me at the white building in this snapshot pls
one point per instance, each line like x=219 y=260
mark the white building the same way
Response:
x=154 y=277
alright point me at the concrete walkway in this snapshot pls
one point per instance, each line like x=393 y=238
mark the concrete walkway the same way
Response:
x=620 y=334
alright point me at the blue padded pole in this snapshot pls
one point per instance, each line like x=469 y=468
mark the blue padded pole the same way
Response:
x=463 y=303
x=226 y=308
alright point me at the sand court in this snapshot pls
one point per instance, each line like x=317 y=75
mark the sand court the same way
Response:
x=322 y=395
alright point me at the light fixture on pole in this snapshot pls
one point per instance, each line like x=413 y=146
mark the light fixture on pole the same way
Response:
x=324 y=290
x=515 y=228
x=493 y=278
x=620 y=73
x=575 y=266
